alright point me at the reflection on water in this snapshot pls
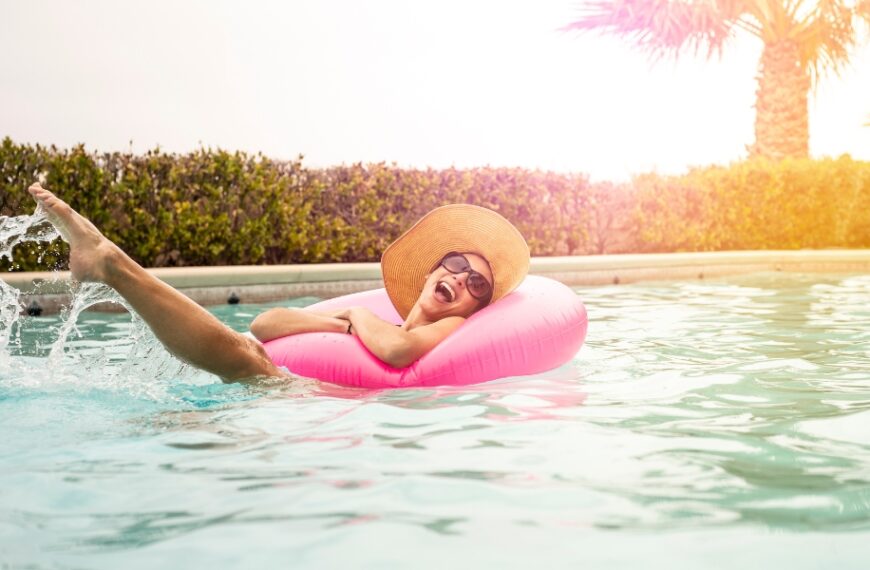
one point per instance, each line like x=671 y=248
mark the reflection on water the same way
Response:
x=732 y=408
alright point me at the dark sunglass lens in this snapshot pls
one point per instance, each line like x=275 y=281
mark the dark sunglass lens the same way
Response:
x=456 y=263
x=478 y=285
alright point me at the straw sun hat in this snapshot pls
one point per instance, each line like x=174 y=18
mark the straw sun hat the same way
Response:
x=461 y=228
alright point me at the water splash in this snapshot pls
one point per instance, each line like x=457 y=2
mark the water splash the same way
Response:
x=136 y=363
x=23 y=229
x=10 y=311
x=13 y=231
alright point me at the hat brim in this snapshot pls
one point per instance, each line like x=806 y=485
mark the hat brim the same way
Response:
x=456 y=227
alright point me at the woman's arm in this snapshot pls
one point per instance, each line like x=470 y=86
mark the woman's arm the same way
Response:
x=392 y=345
x=396 y=346
x=279 y=322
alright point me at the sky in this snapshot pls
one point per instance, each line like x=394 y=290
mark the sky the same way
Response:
x=451 y=83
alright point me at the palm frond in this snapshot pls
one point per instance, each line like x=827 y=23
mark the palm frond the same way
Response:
x=739 y=13
x=662 y=27
x=824 y=30
x=773 y=17
x=793 y=8
x=827 y=36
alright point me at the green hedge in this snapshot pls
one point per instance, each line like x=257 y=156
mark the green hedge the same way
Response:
x=758 y=204
x=214 y=207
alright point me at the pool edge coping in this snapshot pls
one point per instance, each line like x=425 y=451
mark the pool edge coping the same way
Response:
x=262 y=283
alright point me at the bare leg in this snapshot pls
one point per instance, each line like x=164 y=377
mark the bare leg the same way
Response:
x=187 y=330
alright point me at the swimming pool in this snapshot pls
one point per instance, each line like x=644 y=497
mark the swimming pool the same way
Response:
x=720 y=423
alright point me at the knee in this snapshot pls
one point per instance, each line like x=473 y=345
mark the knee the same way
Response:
x=253 y=362
x=256 y=348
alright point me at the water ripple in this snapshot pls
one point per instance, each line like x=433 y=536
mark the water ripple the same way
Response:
x=724 y=407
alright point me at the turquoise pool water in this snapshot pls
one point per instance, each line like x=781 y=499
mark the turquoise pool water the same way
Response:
x=713 y=424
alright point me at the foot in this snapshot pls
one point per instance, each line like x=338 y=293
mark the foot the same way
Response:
x=91 y=253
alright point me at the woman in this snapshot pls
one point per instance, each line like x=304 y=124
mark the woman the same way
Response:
x=454 y=261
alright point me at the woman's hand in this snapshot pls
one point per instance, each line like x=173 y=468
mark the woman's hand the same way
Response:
x=343 y=313
x=394 y=345
x=333 y=313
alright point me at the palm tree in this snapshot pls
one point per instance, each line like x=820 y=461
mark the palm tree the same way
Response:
x=802 y=39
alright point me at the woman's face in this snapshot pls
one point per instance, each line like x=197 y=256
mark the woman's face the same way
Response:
x=445 y=294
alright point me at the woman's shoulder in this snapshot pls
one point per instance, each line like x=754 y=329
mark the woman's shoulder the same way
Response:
x=446 y=322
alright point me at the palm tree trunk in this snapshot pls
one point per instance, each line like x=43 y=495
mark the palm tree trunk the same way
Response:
x=781 y=123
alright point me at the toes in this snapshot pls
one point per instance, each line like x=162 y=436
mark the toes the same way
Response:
x=36 y=188
x=37 y=191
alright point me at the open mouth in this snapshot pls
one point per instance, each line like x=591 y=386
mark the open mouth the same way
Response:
x=444 y=292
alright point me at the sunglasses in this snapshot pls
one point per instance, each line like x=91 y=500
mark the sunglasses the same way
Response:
x=476 y=283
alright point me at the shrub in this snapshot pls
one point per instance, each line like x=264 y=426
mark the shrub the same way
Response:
x=213 y=207
x=758 y=204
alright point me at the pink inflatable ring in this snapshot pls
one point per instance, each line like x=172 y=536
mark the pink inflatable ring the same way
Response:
x=539 y=326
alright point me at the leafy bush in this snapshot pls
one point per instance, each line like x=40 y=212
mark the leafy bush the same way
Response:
x=219 y=208
x=758 y=204
x=213 y=207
